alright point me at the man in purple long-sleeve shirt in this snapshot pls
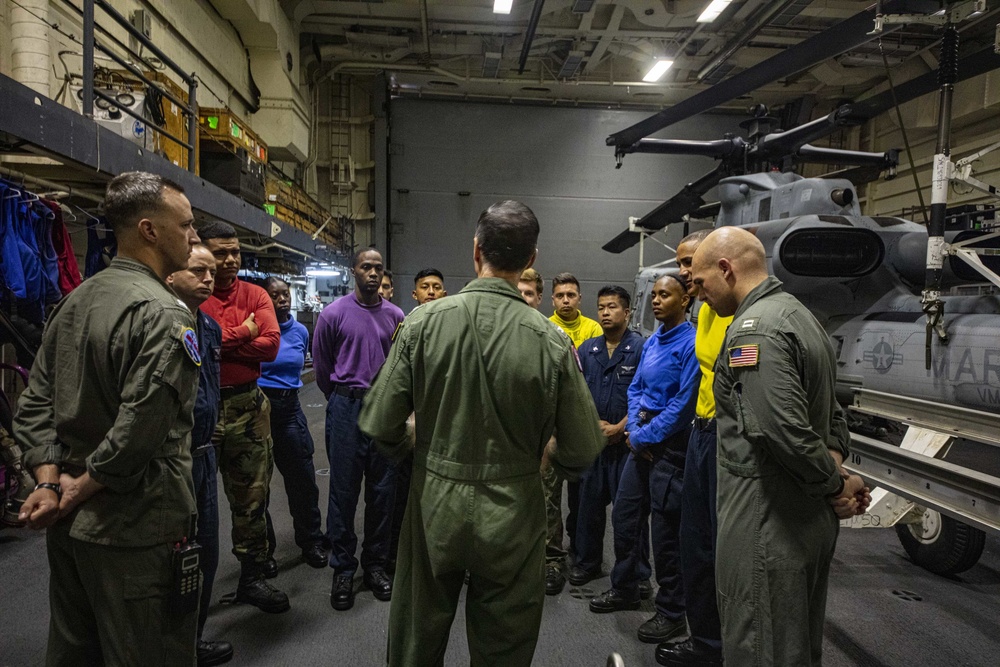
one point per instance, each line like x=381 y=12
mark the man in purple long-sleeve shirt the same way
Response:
x=350 y=344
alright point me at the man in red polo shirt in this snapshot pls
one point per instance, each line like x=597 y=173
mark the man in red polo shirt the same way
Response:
x=250 y=335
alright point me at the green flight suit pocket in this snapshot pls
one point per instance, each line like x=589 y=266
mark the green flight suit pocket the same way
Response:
x=740 y=456
x=144 y=606
x=746 y=421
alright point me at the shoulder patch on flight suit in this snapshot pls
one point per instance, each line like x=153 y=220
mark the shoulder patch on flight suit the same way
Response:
x=190 y=340
x=748 y=324
x=744 y=356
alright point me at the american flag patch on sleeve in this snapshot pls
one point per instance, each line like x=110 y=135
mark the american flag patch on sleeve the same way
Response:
x=744 y=355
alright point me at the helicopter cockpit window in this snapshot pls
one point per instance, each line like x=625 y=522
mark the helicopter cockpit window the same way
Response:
x=830 y=253
x=764 y=209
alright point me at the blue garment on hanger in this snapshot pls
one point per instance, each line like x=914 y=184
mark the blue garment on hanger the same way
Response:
x=11 y=270
x=41 y=221
x=31 y=261
x=97 y=247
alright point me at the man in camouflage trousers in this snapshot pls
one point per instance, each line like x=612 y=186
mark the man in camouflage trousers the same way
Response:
x=250 y=335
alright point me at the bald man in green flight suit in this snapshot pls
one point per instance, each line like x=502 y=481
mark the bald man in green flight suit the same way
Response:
x=782 y=442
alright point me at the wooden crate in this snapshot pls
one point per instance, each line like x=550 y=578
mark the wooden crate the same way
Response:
x=289 y=203
x=218 y=125
x=176 y=124
x=278 y=191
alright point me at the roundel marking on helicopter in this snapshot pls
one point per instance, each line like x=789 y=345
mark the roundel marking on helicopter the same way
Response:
x=882 y=356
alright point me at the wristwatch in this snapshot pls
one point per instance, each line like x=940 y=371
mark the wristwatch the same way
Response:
x=50 y=486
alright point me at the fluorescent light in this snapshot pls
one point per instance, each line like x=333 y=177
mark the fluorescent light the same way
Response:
x=657 y=71
x=502 y=6
x=322 y=273
x=713 y=10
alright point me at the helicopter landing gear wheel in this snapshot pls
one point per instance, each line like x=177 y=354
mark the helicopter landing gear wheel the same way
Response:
x=940 y=544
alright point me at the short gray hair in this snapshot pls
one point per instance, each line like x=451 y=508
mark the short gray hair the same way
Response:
x=696 y=236
x=134 y=195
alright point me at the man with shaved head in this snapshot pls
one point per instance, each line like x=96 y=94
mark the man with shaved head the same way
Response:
x=782 y=437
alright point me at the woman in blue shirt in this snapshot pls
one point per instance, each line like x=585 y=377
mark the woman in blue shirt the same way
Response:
x=293 y=445
x=661 y=403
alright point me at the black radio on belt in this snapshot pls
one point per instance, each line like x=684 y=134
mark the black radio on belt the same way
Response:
x=186 y=590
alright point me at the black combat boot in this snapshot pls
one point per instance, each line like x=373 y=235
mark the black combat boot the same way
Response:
x=554 y=579
x=254 y=589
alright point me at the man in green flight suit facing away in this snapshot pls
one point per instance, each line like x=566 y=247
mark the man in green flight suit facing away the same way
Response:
x=782 y=439
x=106 y=428
x=490 y=380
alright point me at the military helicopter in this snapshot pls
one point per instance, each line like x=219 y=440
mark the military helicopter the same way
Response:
x=898 y=337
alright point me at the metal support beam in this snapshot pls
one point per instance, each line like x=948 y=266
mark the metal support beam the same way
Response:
x=609 y=36
x=743 y=36
x=88 y=58
x=952 y=420
x=965 y=495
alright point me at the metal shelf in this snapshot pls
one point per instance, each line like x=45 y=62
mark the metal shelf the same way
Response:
x=91 y=155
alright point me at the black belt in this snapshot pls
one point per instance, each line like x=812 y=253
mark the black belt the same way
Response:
x=279 y=393
x=350 y=392
x=704 y=423
x=229 y=392
x=646 y=416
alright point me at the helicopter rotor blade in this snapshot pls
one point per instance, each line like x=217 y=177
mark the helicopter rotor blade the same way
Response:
x=719 y=148
x=671 y=211
x=856 y=175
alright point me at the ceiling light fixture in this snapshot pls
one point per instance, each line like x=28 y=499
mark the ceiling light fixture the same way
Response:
x=322 y=273
x=657 y=71
x=502 y=6
x=713 y=10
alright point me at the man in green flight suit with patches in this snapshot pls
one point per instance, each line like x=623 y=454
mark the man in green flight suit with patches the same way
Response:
x=490 y=380
x=782 y=439
x=105 y=424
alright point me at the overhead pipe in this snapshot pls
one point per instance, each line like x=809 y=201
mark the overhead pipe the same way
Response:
x=529 y=35
x=354 y=65
x=743 y=37
x=279 y=246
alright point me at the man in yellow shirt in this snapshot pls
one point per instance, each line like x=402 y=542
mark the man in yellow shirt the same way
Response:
x=566 y=303
x=698 y=518
x=567 y=316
